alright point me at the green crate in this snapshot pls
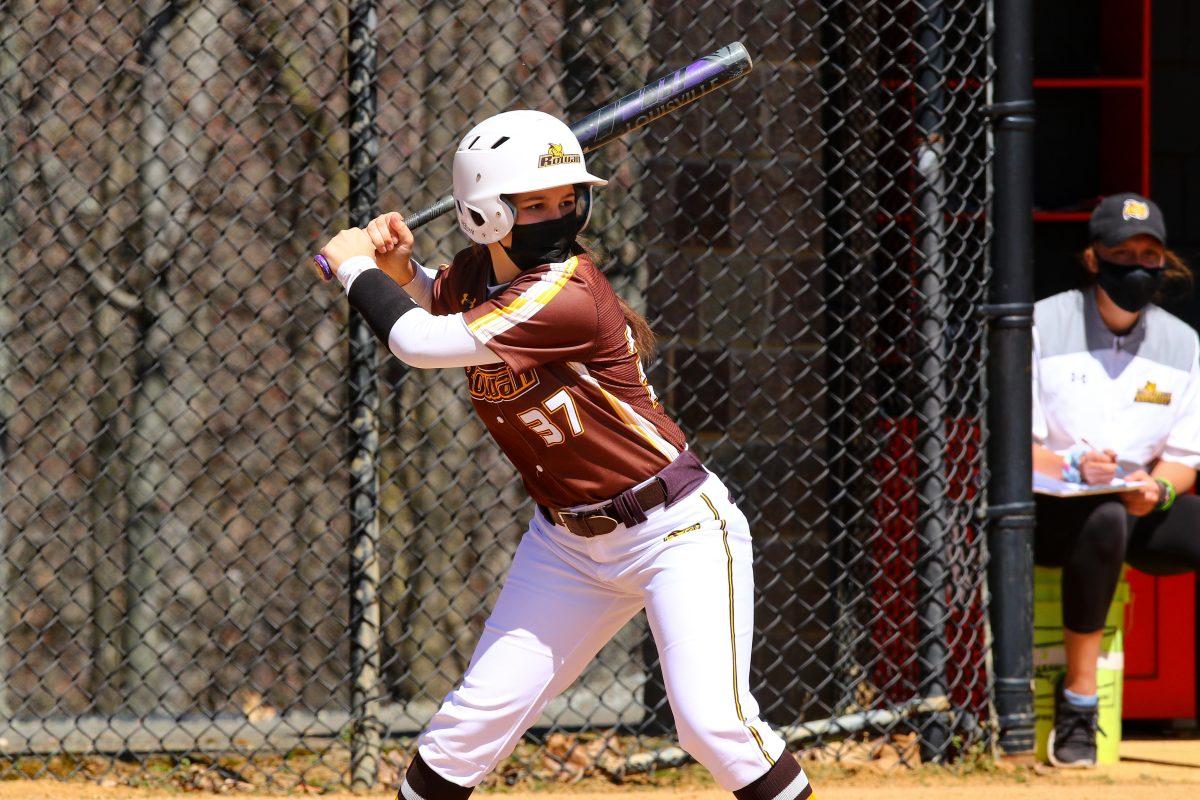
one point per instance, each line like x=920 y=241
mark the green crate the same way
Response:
x=1049 y=662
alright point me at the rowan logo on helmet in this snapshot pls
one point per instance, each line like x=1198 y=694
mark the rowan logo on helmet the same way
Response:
x=555 y=156
x=1135 y=209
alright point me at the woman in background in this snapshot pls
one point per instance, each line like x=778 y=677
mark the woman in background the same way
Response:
x=1116 y=393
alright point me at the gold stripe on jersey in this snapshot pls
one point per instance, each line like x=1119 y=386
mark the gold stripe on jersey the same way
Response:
x=737 y=703
x=526 y=304
x=626 y=413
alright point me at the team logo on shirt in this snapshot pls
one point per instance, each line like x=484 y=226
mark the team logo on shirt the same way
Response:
x=1150 y=394
x=499 y=383
x=1134 y=209
x=555 y=156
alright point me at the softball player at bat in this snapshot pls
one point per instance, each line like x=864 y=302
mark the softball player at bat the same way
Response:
x=626 y=516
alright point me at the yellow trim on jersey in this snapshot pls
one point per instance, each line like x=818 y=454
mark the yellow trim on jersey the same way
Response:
x=737 y=703
x=526 y=304
x=626 y=413
x=635 y=422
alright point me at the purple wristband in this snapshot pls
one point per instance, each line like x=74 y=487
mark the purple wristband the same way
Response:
x=323 y=264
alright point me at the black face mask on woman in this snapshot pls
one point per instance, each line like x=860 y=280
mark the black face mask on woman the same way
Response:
x=1130 y=286
x=546 y=242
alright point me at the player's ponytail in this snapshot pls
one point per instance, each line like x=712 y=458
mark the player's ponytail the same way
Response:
x=643 y=334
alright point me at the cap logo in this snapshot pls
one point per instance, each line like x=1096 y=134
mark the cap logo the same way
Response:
x=555 y=156
x=1135 y=209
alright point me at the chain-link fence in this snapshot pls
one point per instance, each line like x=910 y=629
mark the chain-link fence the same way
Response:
x=188 y=577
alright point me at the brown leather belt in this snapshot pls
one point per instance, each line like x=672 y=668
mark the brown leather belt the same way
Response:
x=675 y=480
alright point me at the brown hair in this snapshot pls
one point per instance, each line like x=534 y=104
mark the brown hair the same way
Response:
x=643 y=334
x=1178 y=280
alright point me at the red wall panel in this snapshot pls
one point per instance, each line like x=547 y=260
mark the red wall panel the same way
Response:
x=1160 y=647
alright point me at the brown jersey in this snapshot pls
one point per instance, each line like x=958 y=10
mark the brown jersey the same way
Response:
x=570 y=406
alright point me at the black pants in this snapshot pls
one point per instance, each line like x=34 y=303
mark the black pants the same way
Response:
x=1090 y=537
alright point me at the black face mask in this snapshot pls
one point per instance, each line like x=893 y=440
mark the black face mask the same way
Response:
x=1130 y=287
x=546 y=242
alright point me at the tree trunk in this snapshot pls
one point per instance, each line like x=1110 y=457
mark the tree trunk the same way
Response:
x=294 y=151
x=10 y=60
x=91 y=231
x=110 y=472
x=106 y=509
x=172 y=155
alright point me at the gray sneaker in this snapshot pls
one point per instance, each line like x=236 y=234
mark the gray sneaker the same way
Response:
x=1073 y=741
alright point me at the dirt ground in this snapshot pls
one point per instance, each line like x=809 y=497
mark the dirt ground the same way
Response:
x=1151 y=769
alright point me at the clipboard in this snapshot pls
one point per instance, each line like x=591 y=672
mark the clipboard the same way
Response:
x=1056 y=487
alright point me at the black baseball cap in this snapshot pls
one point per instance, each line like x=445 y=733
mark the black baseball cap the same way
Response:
x=1121 y=216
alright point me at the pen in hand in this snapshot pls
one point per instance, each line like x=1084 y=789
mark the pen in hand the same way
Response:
x=1120 y=473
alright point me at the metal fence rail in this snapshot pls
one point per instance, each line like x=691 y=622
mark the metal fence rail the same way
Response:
x=232 y=529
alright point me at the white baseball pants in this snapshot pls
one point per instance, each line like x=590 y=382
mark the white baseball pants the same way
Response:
x=565 y=596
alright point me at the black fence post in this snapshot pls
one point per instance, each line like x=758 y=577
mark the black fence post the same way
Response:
x=364 y=420
x=1010 y=461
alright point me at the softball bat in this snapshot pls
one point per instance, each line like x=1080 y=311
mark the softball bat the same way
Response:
x=655 y=100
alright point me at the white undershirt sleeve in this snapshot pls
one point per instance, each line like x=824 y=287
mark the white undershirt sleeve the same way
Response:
x=352 y=267
x=422 y=340
x=420 y=288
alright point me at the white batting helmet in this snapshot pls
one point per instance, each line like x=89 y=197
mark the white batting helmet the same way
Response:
x=517 y=151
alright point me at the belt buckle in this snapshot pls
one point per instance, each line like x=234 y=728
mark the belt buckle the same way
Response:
x=576 y=523
x=586 y=525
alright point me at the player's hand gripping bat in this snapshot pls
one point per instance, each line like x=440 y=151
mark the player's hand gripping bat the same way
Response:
x=657 y=99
